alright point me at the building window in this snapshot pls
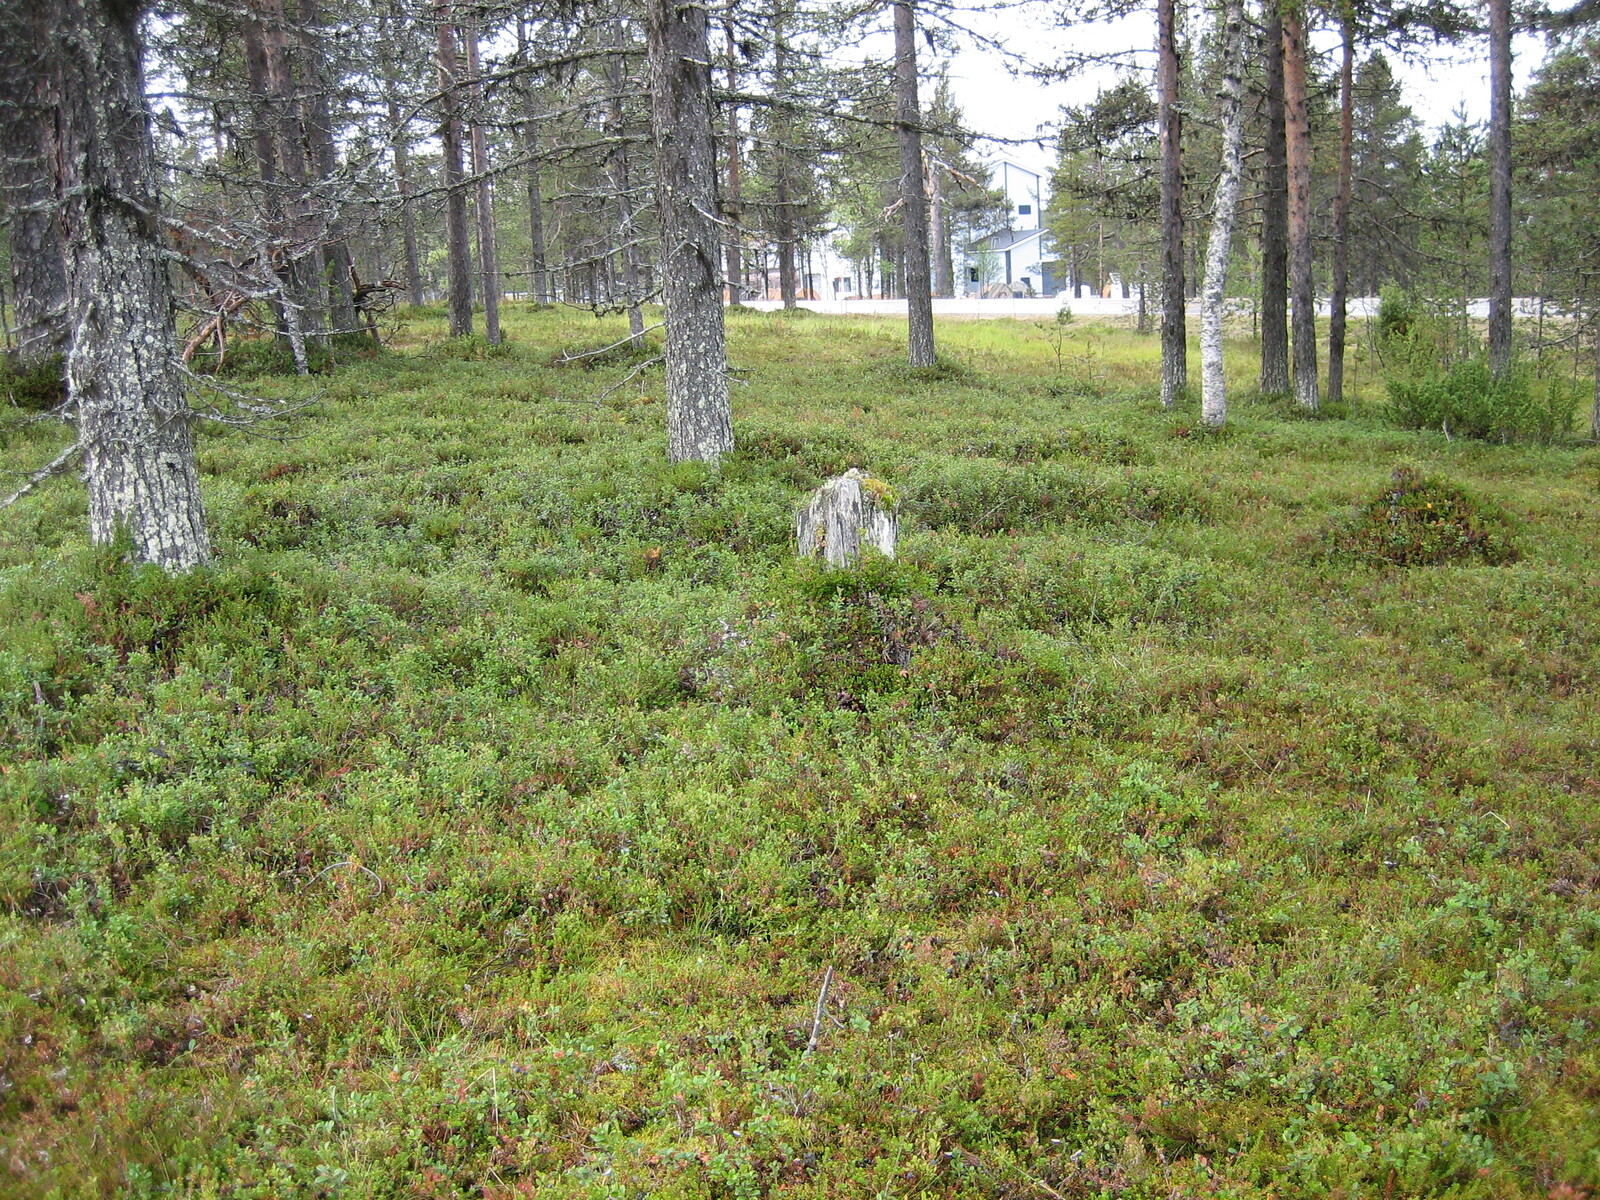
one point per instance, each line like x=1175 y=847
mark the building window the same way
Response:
x=1024 y=210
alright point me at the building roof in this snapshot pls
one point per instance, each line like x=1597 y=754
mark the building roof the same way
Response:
x=1005 y=239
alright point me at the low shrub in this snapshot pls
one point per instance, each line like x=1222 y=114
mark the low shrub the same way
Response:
x=802 y=459
x=1072 y=442
x=990 y=497
x=35 y=387
x=1046 y=586
x=1421 y=520
x=1471 y=400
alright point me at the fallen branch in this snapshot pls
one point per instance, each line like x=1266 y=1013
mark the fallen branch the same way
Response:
x=51 y=469
x=619 y=384
x=562 y=360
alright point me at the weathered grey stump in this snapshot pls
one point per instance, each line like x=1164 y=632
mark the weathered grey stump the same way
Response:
x=844 y=514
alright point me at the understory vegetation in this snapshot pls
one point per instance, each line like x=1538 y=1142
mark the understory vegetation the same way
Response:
x=1180 y=814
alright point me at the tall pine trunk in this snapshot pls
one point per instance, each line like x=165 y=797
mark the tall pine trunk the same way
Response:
x=275 y=133
x=1230 y=111
x=337 y=265
x=783 y=189
x=1499 y=185
x=939 y=234
x=913 y=199
x=38 y=269
x=1274 y=218
x=538 y=255
x=732 y=206
x=622 y=197
x=699 y=417
x=1297 y=129
x=408 y=211
x=1338 y=301
x=458 y=237
x=127 y=392
x=1174 y=331
x=488 y=235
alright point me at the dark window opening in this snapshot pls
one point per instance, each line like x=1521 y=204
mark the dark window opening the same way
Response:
x=1024 y=210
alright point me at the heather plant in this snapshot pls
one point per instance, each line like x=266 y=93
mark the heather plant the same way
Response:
x=1422 y=520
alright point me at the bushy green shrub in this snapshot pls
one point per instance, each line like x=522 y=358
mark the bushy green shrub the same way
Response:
x=37 y=387
x=1397 y=313
x=1421 y=520
x=1469 y=399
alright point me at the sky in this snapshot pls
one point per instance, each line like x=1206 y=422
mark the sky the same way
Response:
x=999 y=104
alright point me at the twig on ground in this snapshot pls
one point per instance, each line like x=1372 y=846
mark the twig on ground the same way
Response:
x=820 y=1012
x=378 y=891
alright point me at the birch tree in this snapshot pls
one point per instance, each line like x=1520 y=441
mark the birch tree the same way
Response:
x=1230 y=113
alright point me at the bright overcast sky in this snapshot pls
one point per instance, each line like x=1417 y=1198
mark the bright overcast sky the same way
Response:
x=1001 y=105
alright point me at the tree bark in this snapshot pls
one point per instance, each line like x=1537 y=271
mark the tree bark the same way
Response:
x=38 y=269
x=337 y=265
x=1274 y=220
x=1297 y=128
x=408 y=212
x=488 y=239
x=783 y=191
x=699 y=417
x=538 y=256
x=280 y=160
x=1213 y=387
x=458 y=237
x=939 y=235
x=1338 y=301
x=732 y=201
x=1174 y=330
x=913 y=199
x=127 y=393
x=1499 y=185
x=622 y=197
x=400 y=151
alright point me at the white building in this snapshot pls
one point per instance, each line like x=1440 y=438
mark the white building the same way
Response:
x=1018 y=260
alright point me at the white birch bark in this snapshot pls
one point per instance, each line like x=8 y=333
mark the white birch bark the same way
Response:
x=1213 y=387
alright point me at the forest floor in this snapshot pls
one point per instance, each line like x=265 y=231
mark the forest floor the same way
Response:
x=487 y=820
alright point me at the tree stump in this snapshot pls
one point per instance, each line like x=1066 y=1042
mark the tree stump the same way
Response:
x=844 y=514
